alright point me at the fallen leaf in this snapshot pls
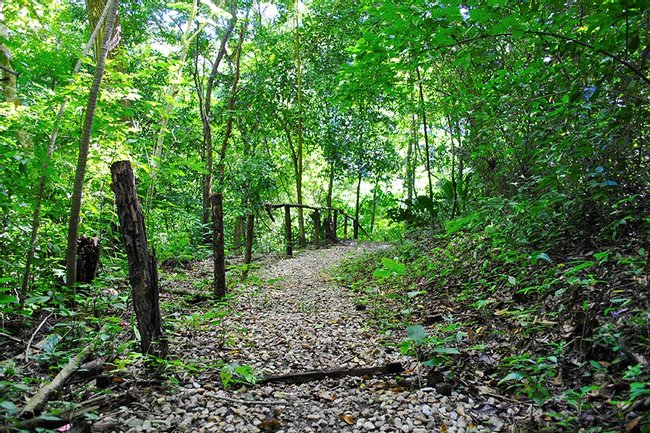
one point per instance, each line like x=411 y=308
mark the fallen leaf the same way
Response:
x=270 y=425
x=633 y=425
x=347 y=419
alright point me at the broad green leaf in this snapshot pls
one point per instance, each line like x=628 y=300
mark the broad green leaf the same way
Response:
x=393 y=266
x=514 y=376
x=416 y=333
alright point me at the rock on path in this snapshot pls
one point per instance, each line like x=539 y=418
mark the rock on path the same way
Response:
x=302 y=321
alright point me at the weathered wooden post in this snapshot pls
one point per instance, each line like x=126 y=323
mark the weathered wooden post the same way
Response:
x=316 y=226
x=345 y=227
x=143 y=272
x=248 y=253
x=335 y=221
x=216 y=201
x=287 y=230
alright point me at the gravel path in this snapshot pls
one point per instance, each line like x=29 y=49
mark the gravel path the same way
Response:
x=302 y=321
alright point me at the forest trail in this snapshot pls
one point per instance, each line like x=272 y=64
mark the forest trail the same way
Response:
x=297 y=320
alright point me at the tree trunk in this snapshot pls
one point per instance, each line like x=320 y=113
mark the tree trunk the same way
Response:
x=80 y=174
x=409 y=175
x=238 y=232
x=36 y=216
x=356 y=210
x=143 y=272
x=426 y=143
x=301 y=218
x=374 y=205
x=94 y=10
x=316 y=227
x=250 y=226
x=287 y=230
x=335 y=220
x=218 y=245
x=172 y=88
x=208 y=151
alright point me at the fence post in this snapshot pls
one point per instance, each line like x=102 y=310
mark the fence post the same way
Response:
x=287 y=230
x=335 y=222
x=316 y=226
x=143 y=272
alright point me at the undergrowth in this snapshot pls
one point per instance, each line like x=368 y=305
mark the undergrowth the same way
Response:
x=559 y=325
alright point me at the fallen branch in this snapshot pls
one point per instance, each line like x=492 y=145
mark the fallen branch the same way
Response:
x=309 y=376
x=31 y=339
x=249 y=402
x=52 y=421
x=36 y=404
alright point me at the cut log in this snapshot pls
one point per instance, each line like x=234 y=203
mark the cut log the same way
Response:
x=310 y=376
x=143 y=270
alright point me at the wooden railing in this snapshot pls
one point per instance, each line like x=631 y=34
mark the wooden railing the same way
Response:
x=331 y=229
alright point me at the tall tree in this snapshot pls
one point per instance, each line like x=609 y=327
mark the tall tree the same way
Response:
x=82 y=160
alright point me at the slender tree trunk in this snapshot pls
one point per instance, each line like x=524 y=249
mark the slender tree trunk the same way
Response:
x=206 y=117
x=94 y=9
x=356 y=209
x=238 y=232
x=143 y=272
x=374 y=205
x=175 y=76
x=409 y=175
x=330 y=225
x=75 y=208
x=454 y=205
x=250 y=226
x=426 y=141
x=219 y=258
x=36 y=220
x=301 y=218
x=316 y=227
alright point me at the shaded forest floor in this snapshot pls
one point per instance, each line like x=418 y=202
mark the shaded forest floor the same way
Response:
x=476 y=358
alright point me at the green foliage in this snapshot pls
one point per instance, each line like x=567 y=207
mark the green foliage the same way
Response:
x=234 y=374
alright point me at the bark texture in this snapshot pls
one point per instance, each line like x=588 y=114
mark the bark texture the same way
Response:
x=143 y=272
x=216 y=201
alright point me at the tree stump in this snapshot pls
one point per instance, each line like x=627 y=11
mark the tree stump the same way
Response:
x=143 y=272
x=216 y=201
x=87 y=259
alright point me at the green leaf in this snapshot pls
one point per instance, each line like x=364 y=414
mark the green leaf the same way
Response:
x=6 y=299
x=9 y=406
x=381 y=273
x=514 y=376
x=393 y=266
x=416 y=333
x=447 y=350
x=512 y=280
